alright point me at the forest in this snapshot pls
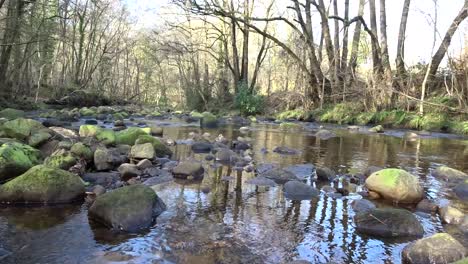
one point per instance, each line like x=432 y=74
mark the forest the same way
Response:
x=308 y=60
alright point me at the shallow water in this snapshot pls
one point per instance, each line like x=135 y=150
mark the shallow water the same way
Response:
x=236 y=222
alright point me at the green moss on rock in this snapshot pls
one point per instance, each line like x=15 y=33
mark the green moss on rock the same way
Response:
x=10 y=113
x=106 y=136
x=130 y=135
x=22 y=128
x=61 y=159
x=81 y=150
x=16 y=158
x=89 y=130
x=161 y=149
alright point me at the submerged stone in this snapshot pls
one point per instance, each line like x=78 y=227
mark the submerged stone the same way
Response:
x=187 y=169
x=280 y=176
x=449 y=174
x=296 y=190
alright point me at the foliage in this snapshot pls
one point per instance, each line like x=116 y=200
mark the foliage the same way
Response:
x=344 y=113
x=248 y=102
x=297 y=114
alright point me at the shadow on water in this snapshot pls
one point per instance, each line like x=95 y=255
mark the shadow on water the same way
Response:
x=223 y=219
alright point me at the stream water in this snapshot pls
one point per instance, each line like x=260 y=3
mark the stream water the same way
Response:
x=235 y=222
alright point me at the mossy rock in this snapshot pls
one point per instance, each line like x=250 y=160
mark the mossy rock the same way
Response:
x=16 y=158
x=89 y=130
x=159 y=147
x=61 y=159
x=290 y=126
x=81 y=150
x=10 y=113
x=106 y=136
x=130 y=208
x=438 y=248
x=396 y=185
x=39 y=138
x=208 y=120
x=130 y=135
x=449 y=174
x=196 y=114
x=118 y=116
x=87 y=112
x=377 y=129
x=43 y=184
x=142 y=151
x=22 y=128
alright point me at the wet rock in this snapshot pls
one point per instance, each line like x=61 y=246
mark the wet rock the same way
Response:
x=461 y=191
x=144 y=164
x=130 y=208
x=130 y=135
x=371 y=169
x=451 y=215
x=239 y=145
x=328 y=189
x=128 y=171
x=302 y=171
x=186 y=169
x=157 y=176
x=264 y=167
x=325 y=174
x=61 y=159
x=296 y=190
x=324 y=134
x=106 y=159
x=10 y=113
x=388 y=222
x=377 y=129
x=119 y=123
x=396 y=185
x=81 y=150
x=208 y=120
x=362 y=205
x=201 y=147
x=261 y=181
x=280 y=176
x=91 y=122
x=226 y=156
x=16 y=158
x=157 y=131
x=42 y=184
x=440 y=248
x=98 y=190
x=115 y=256
x=286 y=151
x=64 y=132
x=449 y=174
x=373 y=195
x=426 y=206
x=209 y=157
x=143 y=151
x=106 y=137
x=160 y=149
x=106 y=179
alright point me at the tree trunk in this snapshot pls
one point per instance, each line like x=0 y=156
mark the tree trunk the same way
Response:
x=375 y=53
x=400 y=56
x=383 y=38
x=355 y=45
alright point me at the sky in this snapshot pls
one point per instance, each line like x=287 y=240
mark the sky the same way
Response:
x=419 y=34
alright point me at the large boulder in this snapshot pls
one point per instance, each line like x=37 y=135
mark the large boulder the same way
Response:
x=280 y=176
x=388 y=222
x=160 y=149
x=106 y=159
x=362 y=205
x=449 y=174
x=16 y=158
x=106 y=136
x=188 y=170
x=82 y=151
x=130 y=208
x=396 y=185
x=43 y=184
x=130 y=135
x=142 y=151
x=440 y=248
x=296 y=190
x=61 y=159
x=10 y=113
x=28 y=130
x=461 y=191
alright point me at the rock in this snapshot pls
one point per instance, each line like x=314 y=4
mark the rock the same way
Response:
x=286 y=151
x=10 y=113
x=261 y=181
x=144 y=164
x=239 y=145
x=388 y=222
x=186 y=169
x=89 y=130
x=106 y=159
x=124 y=149
x=99 y=190
x=244 y=130
x=81 y=150
x=209 y=157
x=461 y=191
x=119 y=123
x=49 y=147
x=439 y=248
x=325 y=174
x=296 y=190
x=61 y=159
x=324 y=134
x=143 y=151
x=157 y=176
x=449 y=174
x=106 y=179
x=128 y=171
x=280 y=176
x=362 y=205
x=426 y=206
x=328 y=189
x=264 y=167
x=373 y=195
x=208 y=120
x=106 y=136
x=4 y=254
x=201 y=147
x=160 y=149
x=130 y=135
x=226 y=156
x=16 y=158
x=42 y=184
x=64 y=132
x=451 y=215
x=22 y=128
x=377 y=129
x=39 y=137
x=157 y=131
x=130 y=208
x=302 y=171
x=396 y=185
x=371 y=169
x=91 y=122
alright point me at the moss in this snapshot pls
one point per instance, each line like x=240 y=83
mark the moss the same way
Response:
x=87 y=112
x=118 y=116
x=43 y=184
x=61 y=159
x=364 y=118
x=253 y=119
x=16 y=158
x=81 y=150
x=130 y=135
x=389 y=177
x=297 y=114
x=89 y=130
x=344 y=113
x=430 y=122
x=458 y=127
x=196 y=114
x=156 y=114
x=38 y=138
x=160 y=149
x=21 y=128
x=208 y=120
x=290 y=126
x=10 y=113
x=106 y=136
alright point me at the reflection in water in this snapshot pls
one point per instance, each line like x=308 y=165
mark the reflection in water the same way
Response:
x=222 y=219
